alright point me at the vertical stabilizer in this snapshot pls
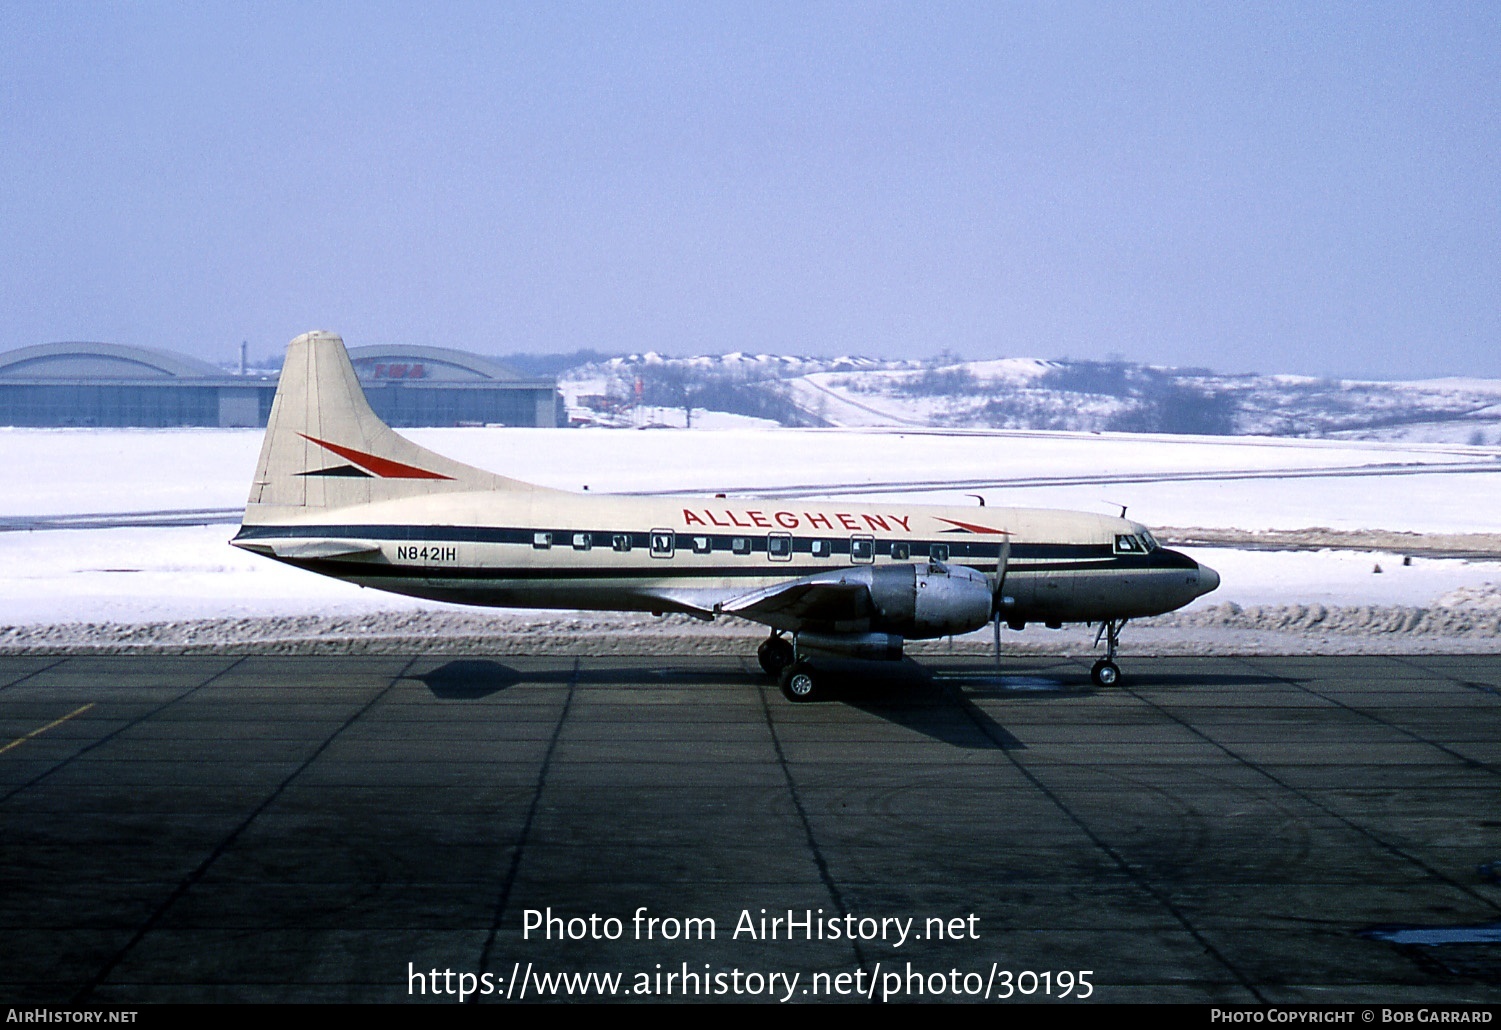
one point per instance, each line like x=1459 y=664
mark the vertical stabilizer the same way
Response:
x=325 y=448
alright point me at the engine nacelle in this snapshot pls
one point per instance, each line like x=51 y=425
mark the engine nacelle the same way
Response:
x=931 y=600
x=881 y=647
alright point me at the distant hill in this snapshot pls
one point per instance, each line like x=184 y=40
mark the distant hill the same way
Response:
x=1018 y=394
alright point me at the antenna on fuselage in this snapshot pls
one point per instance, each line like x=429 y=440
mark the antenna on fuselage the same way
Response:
x=1119 y=505
x=978 y=498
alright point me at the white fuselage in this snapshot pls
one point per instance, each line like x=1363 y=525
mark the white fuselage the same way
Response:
x=548 y=549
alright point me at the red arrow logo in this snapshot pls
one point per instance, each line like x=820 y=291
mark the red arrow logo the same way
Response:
x=970 y=527
x=383 y=467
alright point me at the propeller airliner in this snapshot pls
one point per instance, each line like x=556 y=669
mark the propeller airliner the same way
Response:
x=338 y=492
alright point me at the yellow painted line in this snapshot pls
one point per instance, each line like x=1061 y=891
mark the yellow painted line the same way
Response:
x=36 y=733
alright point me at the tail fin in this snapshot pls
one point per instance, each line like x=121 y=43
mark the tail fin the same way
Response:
x=325 y=448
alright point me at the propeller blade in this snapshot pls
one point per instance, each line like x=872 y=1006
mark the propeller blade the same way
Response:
x=997 y=623
x=1003 y=560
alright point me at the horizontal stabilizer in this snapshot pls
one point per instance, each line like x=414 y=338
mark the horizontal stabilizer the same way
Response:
x=310 y=548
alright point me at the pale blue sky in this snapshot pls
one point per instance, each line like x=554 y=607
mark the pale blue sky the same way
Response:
x=1274 y=187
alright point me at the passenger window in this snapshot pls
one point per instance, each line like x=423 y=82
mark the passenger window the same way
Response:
x=702 y=545
x=862 y=549
x=938 y=552
x=663 y=542
x=901 y=552
x=582 y=541
x=821 y=548
x=621 y=542
x=779 y=547
x=740 y=545
x=541 y=541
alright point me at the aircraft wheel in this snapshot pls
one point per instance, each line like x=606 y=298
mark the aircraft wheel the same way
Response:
x=1105 y=673
x=774 y=654
x=800 y=683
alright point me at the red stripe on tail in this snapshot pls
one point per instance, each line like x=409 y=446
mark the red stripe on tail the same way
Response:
x=383 y=467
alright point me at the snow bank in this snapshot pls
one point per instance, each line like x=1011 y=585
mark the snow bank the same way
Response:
x=1219 y=629
x=184 y=588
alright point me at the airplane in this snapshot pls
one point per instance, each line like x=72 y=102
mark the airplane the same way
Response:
x=338 y=492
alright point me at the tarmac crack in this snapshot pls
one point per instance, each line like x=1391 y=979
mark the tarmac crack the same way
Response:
x=187 y=883
x=1483 y=688
x=819 y=862
x=1473 y=763
x=34 y=672
x=509 y=883
x=1308 y=799
x=1007 y=747
x=117 y=731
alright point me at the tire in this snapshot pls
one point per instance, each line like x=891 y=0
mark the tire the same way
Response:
x=800 y=683
x=774 y=654
x=1105 y=673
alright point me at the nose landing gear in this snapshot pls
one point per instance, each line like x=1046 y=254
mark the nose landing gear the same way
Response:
x=1105 y=672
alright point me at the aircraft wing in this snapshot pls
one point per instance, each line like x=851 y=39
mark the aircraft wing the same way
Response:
x=823 y=598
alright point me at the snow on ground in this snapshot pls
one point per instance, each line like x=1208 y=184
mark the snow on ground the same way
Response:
x=137 y=575
x=838 y=407
x=1343 y=578
x=149 y=575
x=703 y=418
x=72 y=471
x=1476 y=432
x=1009 y=370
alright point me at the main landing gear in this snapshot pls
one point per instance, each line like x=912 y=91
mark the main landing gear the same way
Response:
x=796 y=676
x=799 y=682
x=775 y=654
x=1105 y=672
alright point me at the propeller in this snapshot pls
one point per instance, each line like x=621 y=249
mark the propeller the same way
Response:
x=997 y=597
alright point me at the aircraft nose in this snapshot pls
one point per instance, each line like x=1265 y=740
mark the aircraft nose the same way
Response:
x=1209 y=580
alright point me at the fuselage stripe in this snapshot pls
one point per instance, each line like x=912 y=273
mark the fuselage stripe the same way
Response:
x=917 y=548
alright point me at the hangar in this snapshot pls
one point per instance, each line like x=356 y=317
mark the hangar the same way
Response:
x=107 y=384
x=436 y=386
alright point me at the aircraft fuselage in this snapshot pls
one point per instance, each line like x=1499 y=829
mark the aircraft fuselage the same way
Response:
x=691 y=555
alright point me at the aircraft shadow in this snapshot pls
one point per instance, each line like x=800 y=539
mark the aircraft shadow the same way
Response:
x=1071 y=682
x=905 y=693
x=469 y=679
x=908 y=694
x=1016 y=680
x=1194 y=679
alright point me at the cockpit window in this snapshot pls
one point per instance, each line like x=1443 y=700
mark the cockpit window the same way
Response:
x=1148 y=539
x=1126 y=543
